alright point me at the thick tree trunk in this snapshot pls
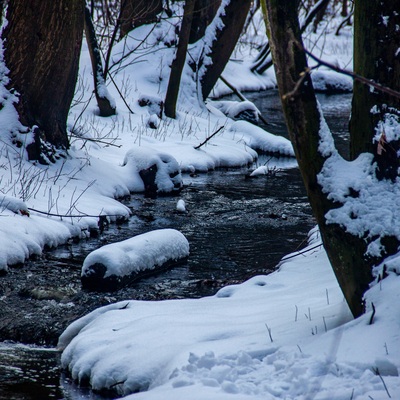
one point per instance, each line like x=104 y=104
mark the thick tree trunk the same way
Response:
x=232 y=16
x=137 y=12
x=376 y=57
x=43 y=43
x=179 y=61
x=303 y=119
x=105 y=104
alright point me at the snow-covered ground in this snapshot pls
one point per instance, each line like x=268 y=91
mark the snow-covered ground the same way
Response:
x=288 y=335
x=65 y=199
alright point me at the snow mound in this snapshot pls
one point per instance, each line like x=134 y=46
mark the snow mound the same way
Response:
x=245 y=110
x=108 y=266
x=13 y=204
x=147 y=166
x=258 y=139
x=261 y=170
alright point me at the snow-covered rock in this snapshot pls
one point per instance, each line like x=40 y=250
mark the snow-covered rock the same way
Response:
x=114 y=264
x=152 y=171
x=241 y=110
x=181 y=206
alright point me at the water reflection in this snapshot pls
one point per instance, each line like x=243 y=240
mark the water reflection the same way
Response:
x=28 y=372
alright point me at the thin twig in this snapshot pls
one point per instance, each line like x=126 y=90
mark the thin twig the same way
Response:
x=376 y=370
x=209 y=137
x=119 y=92
x=269 y=333
x=95 y=140
x=301 y=252
x=303 y=76
x=72 y=215
x=371 y=320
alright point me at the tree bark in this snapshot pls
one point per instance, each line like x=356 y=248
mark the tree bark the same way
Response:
x=232 y=15
x=179 y=61
x=376 y=57
x=303 y=119
x=264 y=61
x=43 y=43
x=106 y=108
x=137 y=12
x=203 y=13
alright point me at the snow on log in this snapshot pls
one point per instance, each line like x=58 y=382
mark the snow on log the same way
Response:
x=117 y=264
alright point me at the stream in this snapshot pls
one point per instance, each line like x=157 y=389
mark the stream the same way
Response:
x=237 y=228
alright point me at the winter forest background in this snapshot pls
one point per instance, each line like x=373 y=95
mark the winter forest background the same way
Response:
x=101 y=100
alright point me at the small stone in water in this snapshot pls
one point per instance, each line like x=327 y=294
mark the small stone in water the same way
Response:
x=180 y=206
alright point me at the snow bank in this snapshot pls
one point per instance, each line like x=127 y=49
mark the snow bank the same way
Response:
x=259 y=139
x=288 y=335
x=115 y=264
x=29 y=236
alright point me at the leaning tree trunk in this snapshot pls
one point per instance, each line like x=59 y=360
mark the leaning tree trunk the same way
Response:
x=225 y=34
x=137 y=12
x=179 y=61
x=203 y=13
x=43 y=43
x=104 y=102
x=376 y=57
x=303 y=120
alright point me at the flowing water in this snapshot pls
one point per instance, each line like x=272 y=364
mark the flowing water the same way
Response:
x=237 y=228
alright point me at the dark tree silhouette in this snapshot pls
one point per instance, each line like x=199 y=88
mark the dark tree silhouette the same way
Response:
x=43 y=43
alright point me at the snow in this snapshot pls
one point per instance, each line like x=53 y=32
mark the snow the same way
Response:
x=142 y=252
x=219 y=347
x=181 y=206
x=233 y=109
x=168 y=177
x=288 y=335
x=261 y=170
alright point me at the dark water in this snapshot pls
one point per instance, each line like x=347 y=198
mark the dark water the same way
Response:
x=236 y=227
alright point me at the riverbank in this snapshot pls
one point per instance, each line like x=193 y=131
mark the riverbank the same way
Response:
x=229 y=221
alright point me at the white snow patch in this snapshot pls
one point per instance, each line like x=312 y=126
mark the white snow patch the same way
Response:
x=181 y=206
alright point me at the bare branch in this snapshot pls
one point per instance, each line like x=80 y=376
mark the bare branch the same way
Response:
x=353 y=75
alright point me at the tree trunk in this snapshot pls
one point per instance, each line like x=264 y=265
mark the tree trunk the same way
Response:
x=105 y=104
x=225 y=34
x=43 y=43
x=138 y=12
x=344 y=12
x=264 y=61
x=203 y=13
x=179 y=61
x=303 y=119
x=376 y=57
